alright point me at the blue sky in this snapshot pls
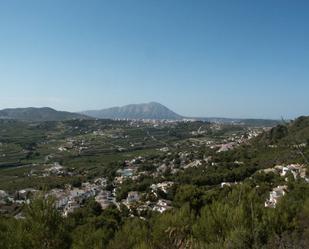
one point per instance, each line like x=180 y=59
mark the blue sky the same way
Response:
x=231 y=58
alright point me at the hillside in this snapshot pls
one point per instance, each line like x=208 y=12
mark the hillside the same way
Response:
x=173 y=183
x=150 y=110
x=295 y=132
x=38 y=114
x=285 y=143
x=238 y=121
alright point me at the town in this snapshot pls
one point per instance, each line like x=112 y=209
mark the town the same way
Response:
x=141 y=182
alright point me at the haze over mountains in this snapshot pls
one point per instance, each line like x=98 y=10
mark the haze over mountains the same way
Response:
x=39 y=114
x=157 y=111
x=152 y=110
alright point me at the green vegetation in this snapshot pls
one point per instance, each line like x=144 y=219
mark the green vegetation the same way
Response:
x=204 y=213
x=226 y=218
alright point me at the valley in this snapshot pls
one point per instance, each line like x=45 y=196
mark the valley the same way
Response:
x=149 y=169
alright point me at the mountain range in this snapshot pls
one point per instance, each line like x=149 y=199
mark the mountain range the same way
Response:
x=38 y=114
x=152 y=110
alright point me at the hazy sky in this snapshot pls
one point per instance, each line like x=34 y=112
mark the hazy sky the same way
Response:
x=227 y=58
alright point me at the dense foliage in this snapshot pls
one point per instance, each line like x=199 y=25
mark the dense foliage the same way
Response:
x=222 y=218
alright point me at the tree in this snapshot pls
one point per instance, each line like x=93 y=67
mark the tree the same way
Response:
x=44 y=226
x=134 y=233
x=173 y=230
x=189 y=194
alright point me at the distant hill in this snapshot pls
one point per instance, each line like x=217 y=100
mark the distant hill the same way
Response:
x=150 y=110
x=39 y=114
x=294 y=132
x=246 y=122
x=283 y=144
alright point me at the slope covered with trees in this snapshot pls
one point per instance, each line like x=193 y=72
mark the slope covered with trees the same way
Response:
x=204 y=215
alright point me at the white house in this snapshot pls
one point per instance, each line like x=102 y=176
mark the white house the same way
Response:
x=275 y=195
x=133 y=196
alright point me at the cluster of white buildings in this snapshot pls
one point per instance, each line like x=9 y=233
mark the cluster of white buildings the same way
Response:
x=134 y=199
x=275 y=195
x=66 y=200
x=69 y=199
x=297 y=170
x=162 y=205
x=163 y=186
x=54 y=169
